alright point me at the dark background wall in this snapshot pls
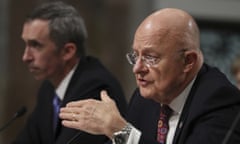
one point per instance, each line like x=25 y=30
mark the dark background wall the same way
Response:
x=109 y=39
x=111 y=25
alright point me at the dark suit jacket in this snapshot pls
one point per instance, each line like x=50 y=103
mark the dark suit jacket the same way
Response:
x=88 y=80
x=208 y=113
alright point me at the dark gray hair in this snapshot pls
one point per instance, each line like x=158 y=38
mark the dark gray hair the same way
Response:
x=65 y=24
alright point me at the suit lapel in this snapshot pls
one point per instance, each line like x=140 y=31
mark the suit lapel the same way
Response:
x=183 y=118
x=181 y=124
x=46 y=112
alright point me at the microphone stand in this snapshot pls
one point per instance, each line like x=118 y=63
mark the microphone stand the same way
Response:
x=18 y=114
x=230 y=131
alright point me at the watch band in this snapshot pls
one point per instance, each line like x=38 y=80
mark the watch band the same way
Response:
x=121 y=137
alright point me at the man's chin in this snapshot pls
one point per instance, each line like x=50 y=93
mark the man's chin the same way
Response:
x=145 y=93
x=39 y=78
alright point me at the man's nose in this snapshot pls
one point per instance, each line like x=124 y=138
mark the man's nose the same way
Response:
x=27 y=55
x=139 y=66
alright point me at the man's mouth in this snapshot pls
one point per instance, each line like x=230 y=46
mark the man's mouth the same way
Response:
x=32 y=69
x=142 y=82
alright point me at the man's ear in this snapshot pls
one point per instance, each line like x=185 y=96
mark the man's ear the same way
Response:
x=190 y=60
x=69 y=50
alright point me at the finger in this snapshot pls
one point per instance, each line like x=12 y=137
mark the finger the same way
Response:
x=69 y=113
x=70 y=124
x=67 y=116
x=104 y=96
x=75 y=103
x=70 y=110
x=81 y=103
x=65 y=110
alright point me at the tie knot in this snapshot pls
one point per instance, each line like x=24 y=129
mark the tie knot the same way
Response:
x=166 y=110
x=56 y=100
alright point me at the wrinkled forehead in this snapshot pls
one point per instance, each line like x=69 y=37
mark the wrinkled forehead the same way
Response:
x=156 y=40
x=164 y=29
x=149 y=39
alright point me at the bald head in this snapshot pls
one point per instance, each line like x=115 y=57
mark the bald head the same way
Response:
x=172 y=24
x=166 y=40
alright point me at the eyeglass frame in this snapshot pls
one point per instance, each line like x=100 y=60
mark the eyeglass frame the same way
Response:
x=149 y=61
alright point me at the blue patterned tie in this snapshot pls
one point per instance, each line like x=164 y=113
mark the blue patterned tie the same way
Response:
x=56 y=108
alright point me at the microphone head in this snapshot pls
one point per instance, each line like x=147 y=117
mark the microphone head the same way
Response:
x=21 y=112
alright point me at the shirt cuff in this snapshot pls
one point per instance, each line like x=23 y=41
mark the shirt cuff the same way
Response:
x=134 y=136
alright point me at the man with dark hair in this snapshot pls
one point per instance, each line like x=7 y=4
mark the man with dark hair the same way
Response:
x=54 y=35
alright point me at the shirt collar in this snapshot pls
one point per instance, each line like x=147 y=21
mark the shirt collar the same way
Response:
x=61 y=89
x=177 y=104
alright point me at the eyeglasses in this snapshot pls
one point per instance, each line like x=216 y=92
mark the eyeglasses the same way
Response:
x=148 y=60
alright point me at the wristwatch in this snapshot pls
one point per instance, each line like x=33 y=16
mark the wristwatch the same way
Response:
x=121 y=137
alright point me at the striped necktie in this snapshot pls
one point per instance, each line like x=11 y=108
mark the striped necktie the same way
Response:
x=163 y=127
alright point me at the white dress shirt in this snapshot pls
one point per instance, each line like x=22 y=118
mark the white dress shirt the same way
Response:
x=62 y=87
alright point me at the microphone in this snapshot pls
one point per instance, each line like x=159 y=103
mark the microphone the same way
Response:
x=18 y=114
x=232 y=128
x=75 y=139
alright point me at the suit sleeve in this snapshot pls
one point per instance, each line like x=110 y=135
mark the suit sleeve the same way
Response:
x=143 y=116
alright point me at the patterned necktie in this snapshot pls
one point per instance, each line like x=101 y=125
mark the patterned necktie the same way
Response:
x=165 y=113
x=56 y=108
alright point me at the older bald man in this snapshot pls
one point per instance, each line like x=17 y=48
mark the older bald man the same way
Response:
x=179 y=99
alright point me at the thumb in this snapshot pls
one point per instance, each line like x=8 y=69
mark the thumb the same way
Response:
x=104 y=96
